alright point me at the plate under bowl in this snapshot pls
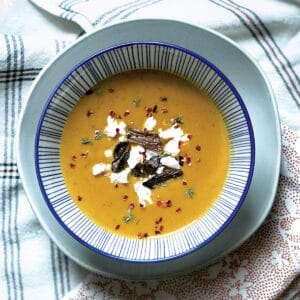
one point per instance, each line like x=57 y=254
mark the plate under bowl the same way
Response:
x=255 y=91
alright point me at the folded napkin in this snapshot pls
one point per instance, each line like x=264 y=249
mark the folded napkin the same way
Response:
x=266 y=266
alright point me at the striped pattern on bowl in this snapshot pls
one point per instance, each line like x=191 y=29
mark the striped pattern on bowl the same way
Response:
x=144 y=55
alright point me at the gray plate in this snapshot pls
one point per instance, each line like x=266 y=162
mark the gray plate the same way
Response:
x=253 y=88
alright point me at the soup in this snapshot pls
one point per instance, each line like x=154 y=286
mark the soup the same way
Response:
x=144 y=153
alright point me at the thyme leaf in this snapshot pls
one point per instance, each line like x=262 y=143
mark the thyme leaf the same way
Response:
x=86 y=141
x=97 y=135
x=177 y=120
x=129 y=217
x=137 y=102
x=189 y=193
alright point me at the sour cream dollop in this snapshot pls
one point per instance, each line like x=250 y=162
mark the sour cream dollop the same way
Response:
x=114 y=127
x=143 y=193
x=150 y=123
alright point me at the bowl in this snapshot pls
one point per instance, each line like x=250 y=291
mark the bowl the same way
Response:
x=153 y=56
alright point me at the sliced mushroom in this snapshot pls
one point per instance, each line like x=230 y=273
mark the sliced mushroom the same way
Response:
x=121 y=155
x=146 y=139
x=148 y=167
x=167 y=174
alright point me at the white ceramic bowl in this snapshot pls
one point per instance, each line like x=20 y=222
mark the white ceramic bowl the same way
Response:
x=144 y=55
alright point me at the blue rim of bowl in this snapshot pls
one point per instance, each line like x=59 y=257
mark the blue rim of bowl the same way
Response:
x=242 y=106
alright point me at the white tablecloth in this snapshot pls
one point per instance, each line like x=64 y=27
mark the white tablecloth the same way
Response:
x=266 y=266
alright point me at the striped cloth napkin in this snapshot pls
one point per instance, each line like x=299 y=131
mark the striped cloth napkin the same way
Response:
x=266 y=266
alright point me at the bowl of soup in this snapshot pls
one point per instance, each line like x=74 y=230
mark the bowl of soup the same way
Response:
x=144 y=151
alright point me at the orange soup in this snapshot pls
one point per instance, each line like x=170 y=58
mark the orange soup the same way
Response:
x=144 y=153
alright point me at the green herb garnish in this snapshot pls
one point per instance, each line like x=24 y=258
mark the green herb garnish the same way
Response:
x=189 y=193
x=177 y=120
x=98 y=135
x=129 y=217
x=86 y=141
x=137 y=102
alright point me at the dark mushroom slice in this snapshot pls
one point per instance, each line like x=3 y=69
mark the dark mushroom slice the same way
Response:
x=150 y=141
x=121 y=155
x=148 y=167
x=167 y=174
